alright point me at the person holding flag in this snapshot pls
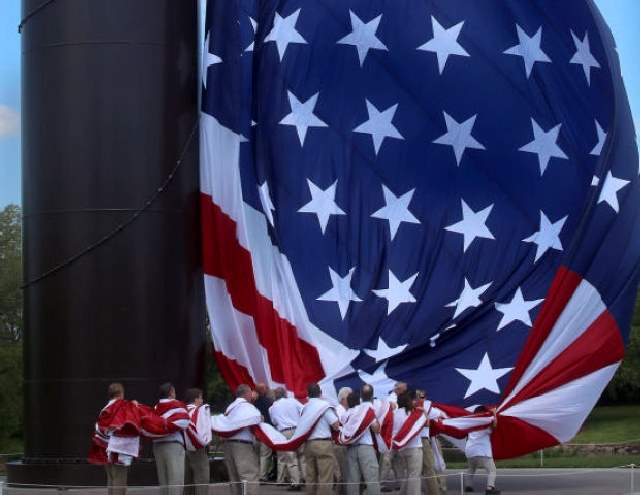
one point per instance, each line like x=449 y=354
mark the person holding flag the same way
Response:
x=408 y=422
x=197 y=438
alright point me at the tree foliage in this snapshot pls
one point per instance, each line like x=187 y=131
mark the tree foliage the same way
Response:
x=10 y=273
x=625 y=386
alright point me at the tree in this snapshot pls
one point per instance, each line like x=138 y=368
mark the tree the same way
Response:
x=10 y=274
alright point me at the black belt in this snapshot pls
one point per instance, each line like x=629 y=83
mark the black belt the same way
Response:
x=241 y=441
x=328 y=439
x=288 y=429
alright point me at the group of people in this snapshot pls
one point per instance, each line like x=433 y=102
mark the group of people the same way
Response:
x=383 y=444
x=180 y=431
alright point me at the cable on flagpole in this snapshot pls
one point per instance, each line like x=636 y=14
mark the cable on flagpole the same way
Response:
x=32 y=13
x=124 y=224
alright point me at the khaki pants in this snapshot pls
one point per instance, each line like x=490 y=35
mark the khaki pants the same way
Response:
x=320 y=461
x=430 y=482
x=407 y=464
x=116 y=478
x=485 y=463
x=362 y=464
x=242 y=464
x=340 y=475
x=288 y=463
x=170 y=466
x=387 y=475
x=266 y=460
x=197 y=472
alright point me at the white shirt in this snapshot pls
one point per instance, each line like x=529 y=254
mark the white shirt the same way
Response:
x=432 y=413
x=479 y=444
x=366 y=438
x=285 y=413
x=323 y=426
x=399 y=417
x=342 y=413
x=244 y=434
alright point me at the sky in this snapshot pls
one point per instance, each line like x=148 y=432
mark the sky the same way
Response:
x=623 y=16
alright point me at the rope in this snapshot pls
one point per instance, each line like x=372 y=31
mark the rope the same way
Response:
x=124 y=224
x=32 y=13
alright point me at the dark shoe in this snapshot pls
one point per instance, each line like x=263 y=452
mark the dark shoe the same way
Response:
x=492 y=491
x=386 y=489
x=468 y=489
x=295 y=488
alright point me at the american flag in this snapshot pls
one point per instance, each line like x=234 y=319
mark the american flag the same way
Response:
x=439 y=192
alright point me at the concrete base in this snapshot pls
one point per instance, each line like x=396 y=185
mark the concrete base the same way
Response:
x=141 y=473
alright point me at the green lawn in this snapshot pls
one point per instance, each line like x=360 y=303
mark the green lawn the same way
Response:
x=611 y=424
x=561 y=462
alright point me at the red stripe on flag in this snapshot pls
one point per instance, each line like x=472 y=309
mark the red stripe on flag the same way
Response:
x=514 y=437
x=599 y=346
x=234 y=374
x=562 y=288
x=292 y=361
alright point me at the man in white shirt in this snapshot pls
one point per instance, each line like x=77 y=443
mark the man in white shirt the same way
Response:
x=197 y=437
x=387 y=474
x=480 y=455
x=430 y=483
x=340 y=451
x=285 y=414
x=407 y=460
x=318 y=450
x=362 y=461
x=240 y=456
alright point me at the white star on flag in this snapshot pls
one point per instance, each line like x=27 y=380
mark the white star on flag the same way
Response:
x=383 y=351
x=379 y=125
x=363 y=36
x=516 y=310
x=485 y=377
x=529 y=49
x=341 y=291
x=544 y=145
x=548 y=236
x=458 y=136
x=254 y=25
x=472 y=225
x=209 y=59
x=322 y=203
x=597 y=149
x=583 y=56
x=396 y=210
x=444 y=43
x=284 y=32
x=302 y=116
x=469 y=298
x=609 y=191
x=265 y=201
x=398 y=292
x=378 y=379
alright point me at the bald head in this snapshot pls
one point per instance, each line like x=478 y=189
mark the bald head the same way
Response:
x=261 y=388
x=366 y=393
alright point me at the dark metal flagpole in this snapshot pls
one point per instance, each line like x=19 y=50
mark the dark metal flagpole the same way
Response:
x=109 y=105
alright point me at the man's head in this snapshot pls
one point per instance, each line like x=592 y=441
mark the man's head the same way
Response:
x=244 y=392
x=280 y=393
x=405 y=400
x=115 y=391
x=313 y=390
x=480 y=409
x=261 y=389
x=400 y=387
x=353 y=399
x=366 y=392
x=167 y=391
x=343 y=393
x=421 y=394
x=193 y=396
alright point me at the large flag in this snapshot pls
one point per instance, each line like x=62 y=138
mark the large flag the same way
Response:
x=444 y=193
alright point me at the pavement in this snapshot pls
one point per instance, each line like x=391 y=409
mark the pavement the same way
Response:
x=509 y=481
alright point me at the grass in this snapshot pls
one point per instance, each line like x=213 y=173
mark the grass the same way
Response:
x=611 y=424
x=533 y=461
